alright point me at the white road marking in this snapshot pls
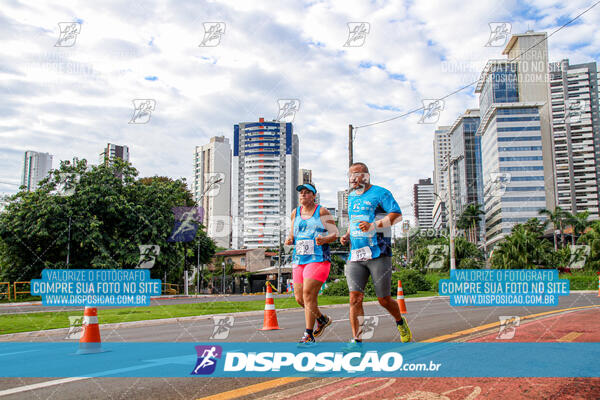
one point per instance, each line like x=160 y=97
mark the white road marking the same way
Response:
x=40 y=385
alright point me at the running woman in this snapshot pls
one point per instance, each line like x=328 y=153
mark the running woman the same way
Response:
x=370 y=251
x=312 y=229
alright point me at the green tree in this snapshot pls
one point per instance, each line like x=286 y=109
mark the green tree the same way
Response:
x=579 y=222
x=100 y=225
x=558 y=217
x=536 y=226
x=469 y=221
x=592 y=239
x=521 y=249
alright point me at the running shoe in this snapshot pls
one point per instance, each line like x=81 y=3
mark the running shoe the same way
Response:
x=353 y=346
x=321 y=327
x=307 y=340
x=405 y=334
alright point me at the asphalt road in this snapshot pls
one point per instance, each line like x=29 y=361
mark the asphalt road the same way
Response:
x=428 y=318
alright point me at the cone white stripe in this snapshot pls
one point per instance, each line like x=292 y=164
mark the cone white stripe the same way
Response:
x=90 y=320
x=269 y=295
x=269 y=306
x=400 y=298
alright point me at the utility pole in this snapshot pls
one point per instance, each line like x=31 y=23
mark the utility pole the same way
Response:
x=185 y=272
x=350 y=146
x=69 y=243
x=451 y=218
x=279 y=267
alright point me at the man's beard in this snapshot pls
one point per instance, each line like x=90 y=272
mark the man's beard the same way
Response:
x=359 y=187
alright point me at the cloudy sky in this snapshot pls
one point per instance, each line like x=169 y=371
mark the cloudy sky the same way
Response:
x=71 y=100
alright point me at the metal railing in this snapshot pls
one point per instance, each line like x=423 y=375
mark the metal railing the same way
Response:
x=7 y=293
x=15 y=292
x=170 y=288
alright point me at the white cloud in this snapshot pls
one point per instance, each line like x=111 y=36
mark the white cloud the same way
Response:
x=71 y=101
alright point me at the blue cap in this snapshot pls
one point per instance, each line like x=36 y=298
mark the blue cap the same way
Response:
x=307 y=186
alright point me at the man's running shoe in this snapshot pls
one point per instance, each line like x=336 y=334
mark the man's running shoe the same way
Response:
x=321 y=327
x=405 y=334
x=307 y=340
x=353 y=346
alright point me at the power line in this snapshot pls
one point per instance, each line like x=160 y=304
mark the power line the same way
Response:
x=475 y=82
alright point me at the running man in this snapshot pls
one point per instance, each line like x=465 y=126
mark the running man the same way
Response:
x=370 y=251
x=312 y=229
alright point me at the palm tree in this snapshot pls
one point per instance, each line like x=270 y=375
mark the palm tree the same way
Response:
x=469 y=219
x=579 y=222
x=520 y=249
x=558 y=218
x=536 y=226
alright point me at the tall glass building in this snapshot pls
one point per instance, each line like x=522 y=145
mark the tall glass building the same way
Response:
x=465 y=149
x=516 y=136
x=511 y=150
x=264 y=176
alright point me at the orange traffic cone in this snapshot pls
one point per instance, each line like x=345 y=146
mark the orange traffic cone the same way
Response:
x=598 y=285
x=90 y=340
x=400 y=298
x=270 y=321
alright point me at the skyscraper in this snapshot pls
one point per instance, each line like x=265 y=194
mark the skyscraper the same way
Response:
x=212 y=188
x=576 y=125
x=516 y=142
x=264 y=176
x=423 y=203
x=342 y=208
x=467 y=183
x=113 y=151
x=35 y=168
x=441 y=147
x=304 y=176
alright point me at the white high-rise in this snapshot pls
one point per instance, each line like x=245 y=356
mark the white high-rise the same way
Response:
x=342 y=208
x=35 y=168
x=264 y=176
x=212 y=188
x=576 y=125
x=441 y=147
x=423 y=203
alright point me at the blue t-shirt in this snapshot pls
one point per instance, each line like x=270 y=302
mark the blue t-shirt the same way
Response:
x=366 y=207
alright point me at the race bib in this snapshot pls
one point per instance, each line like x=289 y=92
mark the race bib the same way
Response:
x=305 y=247
x=362 y=254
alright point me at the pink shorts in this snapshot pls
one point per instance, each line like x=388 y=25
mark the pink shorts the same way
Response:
x=317 y=270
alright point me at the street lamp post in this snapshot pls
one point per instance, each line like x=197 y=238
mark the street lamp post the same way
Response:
x=198 y=244
x=406 y=229
x=223 y=283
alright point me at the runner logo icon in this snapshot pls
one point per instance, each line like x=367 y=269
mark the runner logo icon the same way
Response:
x=207 y=359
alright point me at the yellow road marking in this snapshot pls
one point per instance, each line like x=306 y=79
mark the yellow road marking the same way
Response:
x=259 y=387
x=569 y=337
x=244 y=391
x=494 y=324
